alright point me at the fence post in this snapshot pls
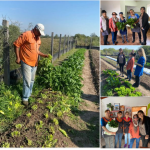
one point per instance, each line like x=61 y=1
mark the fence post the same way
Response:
x=52 y=36
x=59 y=46
x=64 y=44
x=6 y=58
x=91 y=43
x=68 y=44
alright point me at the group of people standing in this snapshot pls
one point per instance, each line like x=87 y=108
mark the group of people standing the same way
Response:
x=109 y=25
x=132 y=129
x=121 y=60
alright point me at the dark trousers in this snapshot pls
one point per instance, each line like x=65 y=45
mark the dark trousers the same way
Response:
x=133 y=35
x=144 y=35
x=129 y=74
x=144 y=141
x=114 y=36
x=105 y=39
x=137 y=80
x=121 y=67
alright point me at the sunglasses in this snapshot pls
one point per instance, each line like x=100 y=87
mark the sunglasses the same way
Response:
x=134 y=117
x=113 y=14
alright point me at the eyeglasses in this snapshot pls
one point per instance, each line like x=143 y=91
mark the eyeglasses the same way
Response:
x=113 y=14
x=134 y=117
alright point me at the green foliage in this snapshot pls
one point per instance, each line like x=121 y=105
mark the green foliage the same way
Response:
x=113 y=124
x=55 y=121
x=15 y=133
x=34 y=107
x=29 y=141
x=63 y=132
x=65 y=78
x=52 y=130
x=49 y=142
x=6 y=145
x=131 y=22
x=18 y=126
x=39 y=125
x=28 y=115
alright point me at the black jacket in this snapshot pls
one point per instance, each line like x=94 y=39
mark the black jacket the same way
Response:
x=147 y=124
x=124 y=59
x=145 y=23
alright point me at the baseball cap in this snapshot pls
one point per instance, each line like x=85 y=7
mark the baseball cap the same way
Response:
x=40 y=27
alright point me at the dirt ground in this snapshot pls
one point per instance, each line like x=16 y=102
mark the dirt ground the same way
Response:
x=119 y=39
x=142 y=89
x=94 y=56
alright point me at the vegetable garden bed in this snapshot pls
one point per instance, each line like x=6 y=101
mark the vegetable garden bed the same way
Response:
x=115 y=86
x=41 y=124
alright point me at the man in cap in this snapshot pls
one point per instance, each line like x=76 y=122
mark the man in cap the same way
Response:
x=27 y=52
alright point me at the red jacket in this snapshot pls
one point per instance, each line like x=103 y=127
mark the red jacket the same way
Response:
x=112 y=26
x=130 y=64
x=132 y=132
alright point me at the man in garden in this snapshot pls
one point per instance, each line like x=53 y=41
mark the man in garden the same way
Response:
x=109 y=139
x=27 y=51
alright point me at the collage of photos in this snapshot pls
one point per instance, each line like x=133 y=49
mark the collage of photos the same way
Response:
x=125 y=74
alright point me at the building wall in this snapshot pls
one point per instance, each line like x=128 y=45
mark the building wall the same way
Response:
x=128 y=102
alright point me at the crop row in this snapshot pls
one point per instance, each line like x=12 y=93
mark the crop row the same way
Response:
x=117 y=86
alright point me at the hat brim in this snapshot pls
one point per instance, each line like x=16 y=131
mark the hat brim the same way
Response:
x=42 y=33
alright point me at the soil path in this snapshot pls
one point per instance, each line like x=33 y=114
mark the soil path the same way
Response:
x=86 y=125
x=144 y=91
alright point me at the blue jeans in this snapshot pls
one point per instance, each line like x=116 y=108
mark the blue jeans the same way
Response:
x=132 y=141
x=129 y=74
x=127 y=137
x=118 y=136
x=114 y=36
x=28 y=73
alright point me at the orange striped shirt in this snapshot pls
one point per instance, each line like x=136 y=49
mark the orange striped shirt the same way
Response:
x=29 y=47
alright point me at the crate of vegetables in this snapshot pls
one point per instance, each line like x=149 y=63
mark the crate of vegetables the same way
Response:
x=111 y=126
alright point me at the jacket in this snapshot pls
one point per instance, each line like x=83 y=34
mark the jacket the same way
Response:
x=112 y=26
x=130 y=64
x=124 y=59
x=145 y=23
x=147 y=125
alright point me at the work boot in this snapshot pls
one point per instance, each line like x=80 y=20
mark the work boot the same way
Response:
x=133 y=41
x=122 y=41
x=127 y=40
x=25 y=103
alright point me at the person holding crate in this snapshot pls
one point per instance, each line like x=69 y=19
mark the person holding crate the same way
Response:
x=27 y=52
x=119 y=133
x=139 y=67
x=109 y=139
x=126 y=122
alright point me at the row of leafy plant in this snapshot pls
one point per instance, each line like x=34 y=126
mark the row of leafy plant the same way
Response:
x=65 y=78
x=117 y=86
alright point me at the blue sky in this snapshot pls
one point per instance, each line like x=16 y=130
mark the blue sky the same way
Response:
x=65 y=17
x=135 y=47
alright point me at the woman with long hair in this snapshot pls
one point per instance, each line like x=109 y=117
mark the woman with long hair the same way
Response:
x=104 y=26
x=134 y=131
x=113 y=27
x=121 y=60
x=139 y=67
x=144 y=25
x=136 y=27
x=144 y=128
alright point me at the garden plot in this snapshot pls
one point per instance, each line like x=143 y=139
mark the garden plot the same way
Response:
x=110 y=64
x=56 y=117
